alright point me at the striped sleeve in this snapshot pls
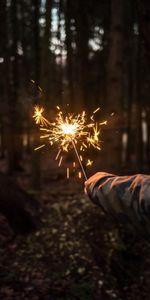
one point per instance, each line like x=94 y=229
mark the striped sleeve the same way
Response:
x=125 y=198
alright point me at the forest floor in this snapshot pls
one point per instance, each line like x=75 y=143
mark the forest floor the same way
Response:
x=76 y=254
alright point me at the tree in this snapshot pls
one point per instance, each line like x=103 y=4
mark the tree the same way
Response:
x=45 y=51
x=82 y=51
x=36 y=169
x=70 y=56
x=114 y=93
x=144 y=24
x=14 y=140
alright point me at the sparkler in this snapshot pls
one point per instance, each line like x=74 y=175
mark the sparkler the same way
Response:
x=68 y=131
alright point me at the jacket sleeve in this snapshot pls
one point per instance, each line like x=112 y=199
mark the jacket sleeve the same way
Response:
x=125 y=198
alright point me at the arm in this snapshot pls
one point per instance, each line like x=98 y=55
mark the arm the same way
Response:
x=125 y=198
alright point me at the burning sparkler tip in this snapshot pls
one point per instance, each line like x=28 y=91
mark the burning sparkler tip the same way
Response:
x=69 y=131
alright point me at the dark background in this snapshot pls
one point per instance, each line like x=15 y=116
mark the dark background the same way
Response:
x=88 y=54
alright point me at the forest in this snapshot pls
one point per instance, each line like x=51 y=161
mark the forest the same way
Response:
x=77 y=56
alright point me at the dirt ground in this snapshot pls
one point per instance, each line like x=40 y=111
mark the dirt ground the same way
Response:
x=76 y=254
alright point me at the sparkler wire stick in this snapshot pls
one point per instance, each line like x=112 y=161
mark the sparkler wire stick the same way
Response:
x=81 y=165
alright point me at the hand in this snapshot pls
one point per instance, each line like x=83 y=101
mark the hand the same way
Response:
x=93 y=180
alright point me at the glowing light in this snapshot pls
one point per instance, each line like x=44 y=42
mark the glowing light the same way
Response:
x=103 y=123
x=39 y=119
x=37 y=148
x=80 y=175
x=70 y=131
x=89 y=162
x=96 y=110
x=68 y=171
x=58 y=154
x=112 y=114
x=60 y=161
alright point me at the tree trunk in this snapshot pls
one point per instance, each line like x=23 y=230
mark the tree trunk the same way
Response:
x=139 y=139
x=36 y=157
x=2 y=139
x=144 y=23
x=70 y=78
x=61 y=68
x=82 y=39
x=14 y=138
x=114 y=93
x=3 y=88
x=45 y=52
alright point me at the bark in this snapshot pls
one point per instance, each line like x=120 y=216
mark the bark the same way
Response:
x=15 y=130
x=129 y=126
x=139 y=141
x=144 y=21
x=148 y=142
x=25 y=43
x=2 y=139
x=114 y=93
x=82 y=39
x=36 y=157
x=3 y=98
x=20 y=209
x=129 y=79
x=129 y=120
x=61 y=68
x=45 y=51
x=69 y=52
x=136 y=117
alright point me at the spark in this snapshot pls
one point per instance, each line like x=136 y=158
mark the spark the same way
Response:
x=84 y=145
x=58 y=154
x=37 y=148
x=103 y=123
x=96 y=110
x=71 y=127
x=68 y=173
x=37 y=86
x=60 y=161
x=80 y=175
x=39 y=119
x=40 y=89
x=81 y=158
x=89 y=162
x=69 y=131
